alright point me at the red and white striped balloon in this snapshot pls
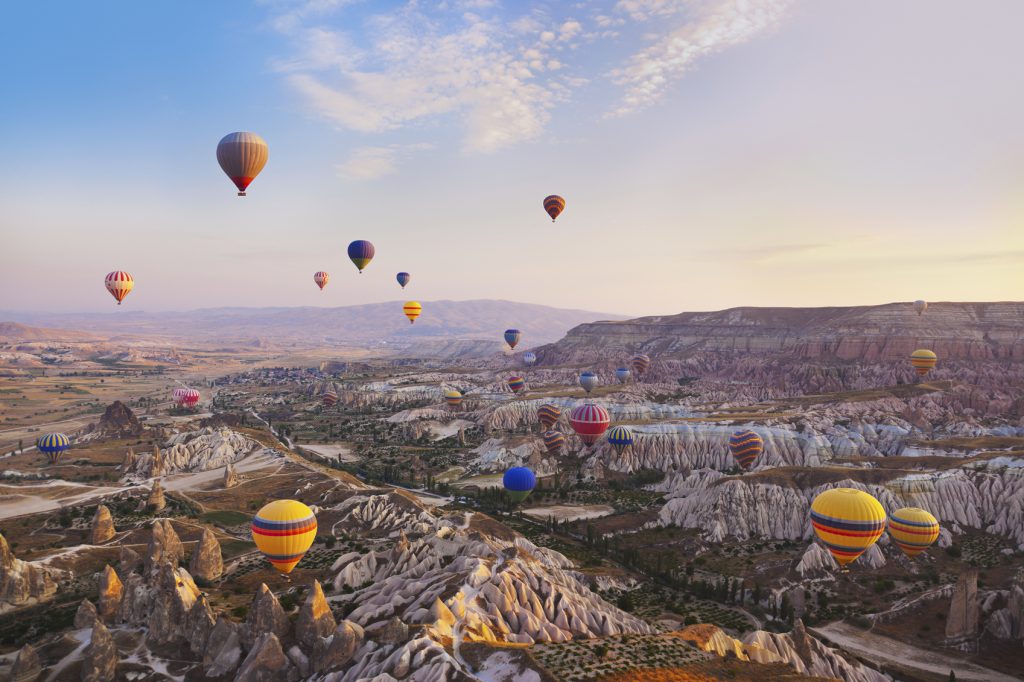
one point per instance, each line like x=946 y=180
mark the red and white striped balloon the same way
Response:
x=589 y=421
x=321 y=278
x=119 y=283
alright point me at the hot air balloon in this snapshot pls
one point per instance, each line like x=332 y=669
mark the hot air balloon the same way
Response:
x=412 y=310
x=847 y=521
x=548 y=414
x=284 y=530
x=553 y=441
x=242 y=156
x=588 y=380
x=516 y=383
x=554 y=205
x=620 y=437
x=512 y=337
x=321 y=278
x=913 y=530
x=188 y=398
x=589 y=421
x=177 y=394
x=403 y=278
x=53 y=446
x=453 y=398
x=361 y=253
x=920 y=306
x=640 y=363
x=119 y=283
x=745 y=446
x=330 y=398
x=923 y=360
x=529 y=359
x=622 y=374
x=519 y=482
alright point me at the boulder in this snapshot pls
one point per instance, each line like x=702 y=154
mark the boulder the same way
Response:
x=102 y=526
x=27 y=666
x=100 y=657
x=315 y=618
x=207 y=562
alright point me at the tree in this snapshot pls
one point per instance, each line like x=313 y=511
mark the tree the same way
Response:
x=952 y=676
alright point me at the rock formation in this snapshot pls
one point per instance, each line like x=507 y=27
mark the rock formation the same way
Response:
x=164 y=546
x=86 y=615
x=102 y=526
x=265 y=616
x=338 y=649
x=100 y=657
x=266 y=661
x=201 y=450
x=200 y=624
x=22 y=582
x=111 y=591
x=128 y=463
x=118 y=421
x=207 y=562
x=223 y=649
x=810 y=657
x=129 y=560
x=156 y=501
x=230 y=477
x=962 y=621
x=172 y=602
x=315 y=619
x=27 y=666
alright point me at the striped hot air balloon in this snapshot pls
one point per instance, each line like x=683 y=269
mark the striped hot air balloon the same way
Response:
x=913 y=530
x=53 y=446
x=548 y=414
x=284 y=530
x=746 y=446
x=412 y=310
x=622 y=374
x=588 y=380
x=403 y=278
x=621 y=437
x=529 y=359
x=923 y=360
x=640 y=363
x=330 y=398
x=516 y=383
x=553 y=441
x=920 y=306
x=321 y=278
x=361 y=253
x=242 y=156
x=189 y=398
x=512 y=337
x=177 y=394
x=589 y=421
x=847 y=521
x=119 y=283
x=519 y=482
x=453 y=398
x=554 y=205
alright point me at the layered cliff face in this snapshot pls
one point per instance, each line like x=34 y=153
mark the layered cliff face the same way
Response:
x=202 y=450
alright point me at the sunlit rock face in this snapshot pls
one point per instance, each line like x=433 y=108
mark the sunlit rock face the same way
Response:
x=23 y=582
x=808 y=656
x=202 y=450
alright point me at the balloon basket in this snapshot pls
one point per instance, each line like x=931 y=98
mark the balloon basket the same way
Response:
x=241 y=194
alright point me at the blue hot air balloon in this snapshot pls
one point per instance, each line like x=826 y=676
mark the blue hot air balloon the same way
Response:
x=512 y=337
x=588 y=380
x=361 y=252
x=529 y=359
x=53 y=446
x=622 y=374
x=519 y=482
x=403 y=278
x=620 y=437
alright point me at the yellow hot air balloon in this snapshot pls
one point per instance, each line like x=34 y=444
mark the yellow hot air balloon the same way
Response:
x=284 y=530
x=847 y=521
x=923 y=360
x=412 y=310
x=913 y=530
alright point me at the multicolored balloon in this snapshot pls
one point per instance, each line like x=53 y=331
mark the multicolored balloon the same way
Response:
x=412 y=310
x=330 y=398
x=589 y=421
x=516 y=383
x=453 y=398
x=519 y=482
x=588 y=380
x=284 y=530
x=746 y=446
x=640 y=363
x=553 y=441
x=53 y=446
x=622 y=374
x=403 y=278
x=554 y=205
x=548 y=414
x=361 y=253
x=119 y=283
x=321 y=278
x=621 y=437
x=920 y=306
x=242 y=156
x=529 y=358
x=923 y=360
x=847 y=521
x=913 y=530
x=512 y=337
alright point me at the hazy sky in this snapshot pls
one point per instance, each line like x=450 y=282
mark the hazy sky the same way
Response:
x=712 y=153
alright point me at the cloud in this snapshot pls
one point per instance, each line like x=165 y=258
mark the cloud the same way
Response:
x=642 y=10
x=370 y=163
x=718 y=24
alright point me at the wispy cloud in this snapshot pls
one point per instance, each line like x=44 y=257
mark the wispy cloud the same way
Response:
x=370 y=163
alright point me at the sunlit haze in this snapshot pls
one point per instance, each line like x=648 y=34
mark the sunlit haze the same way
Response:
x=712 y=153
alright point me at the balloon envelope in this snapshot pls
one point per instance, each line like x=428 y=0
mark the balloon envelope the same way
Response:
x=403 y=278
x=554 y=205
x=923 y=360
x=588 y=380
x=589 y=421
x=53 y=446
x=745 y=446
x=519 y=482
x=189 y=397
x=621 y=437
x=529 y=359
x=847 y=521
x=321 y=278
x=553 y=441
x=330 y=398
x=640 y=363
x=242 y=156
x=913 y=530
x=920 y=306
x=412 y=310
x=622 y=374
x=516 y=384
x=453 y=398
x=284 y=530
x=512 y=337
x=361 y=253
x=119 y=283
x=548 y=414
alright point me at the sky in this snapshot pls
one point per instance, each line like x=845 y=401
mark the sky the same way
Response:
x=712 y=153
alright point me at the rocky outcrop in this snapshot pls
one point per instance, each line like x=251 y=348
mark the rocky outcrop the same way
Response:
x=230 y=477
x=102 y=526
x=962 y=621
x=201 y=450
x=27 y=666
x=23 y=582
x=128 y=560
x=808 y=656
x=315 y=619
x=223 y=649
x=174 y=596
x=817 y=562
x=265 y=616
x=266 y=662
x=156 y=501
x=164 y=546
x=338 y=649
x=118 y=421
x=111 y=593
x=207 y=562
x=86 y=615
x=385 y=515
x=200 y=624
x=100 y=657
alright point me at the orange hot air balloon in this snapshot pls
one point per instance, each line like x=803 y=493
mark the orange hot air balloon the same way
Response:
x=412 y=310
x=119 y=283
x=242 y=156
x=554 y=205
